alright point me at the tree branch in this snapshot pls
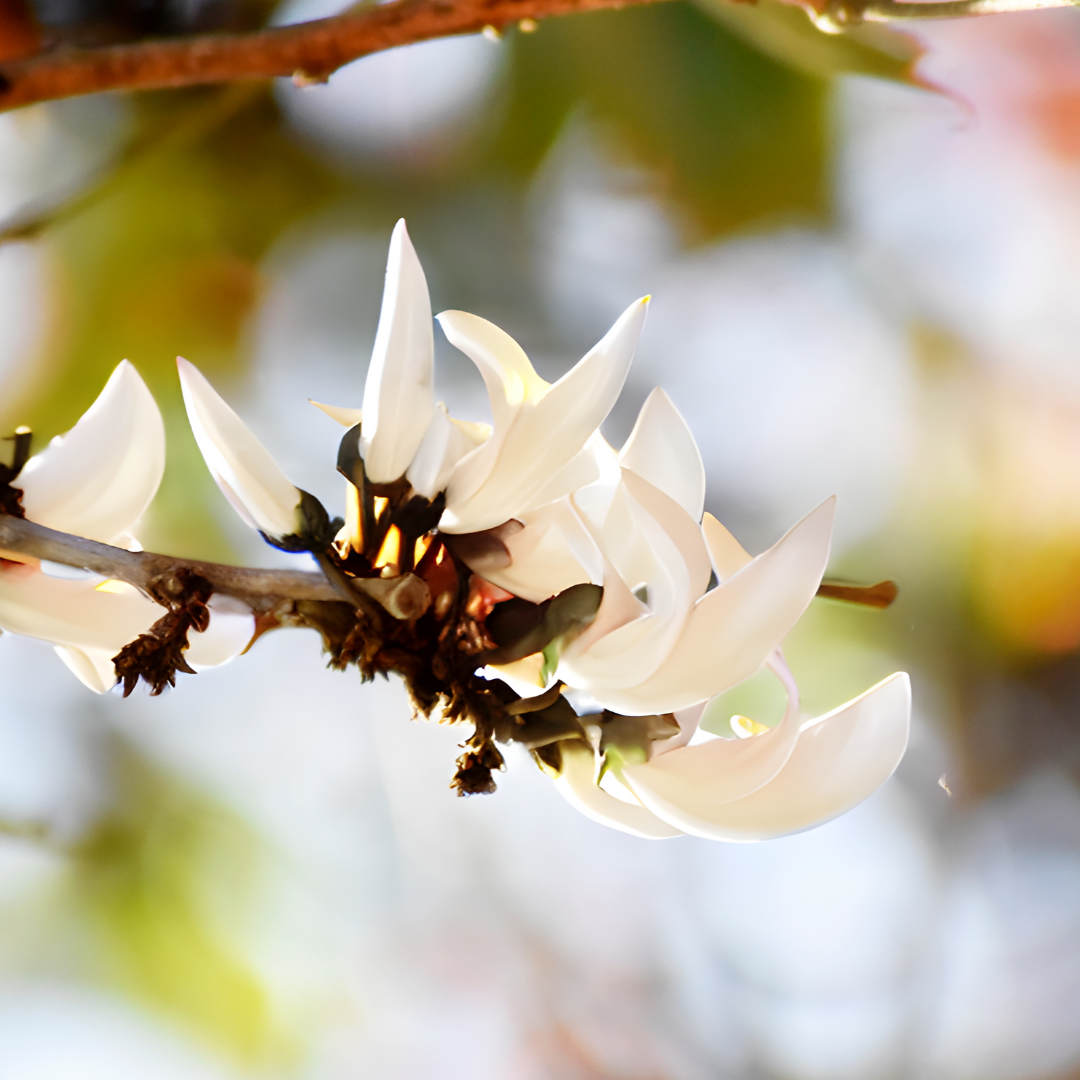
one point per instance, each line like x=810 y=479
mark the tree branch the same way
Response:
x=405 y=597
x=841 y=14
x=309 y=51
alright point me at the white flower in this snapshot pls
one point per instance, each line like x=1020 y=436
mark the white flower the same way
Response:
x=243 y=468
x=788 y=779
x=536 y=452
x=663 y=643
x=399 y=395
x=662 y=640
x=684 y=644
x=95 y=482
x=533 y=453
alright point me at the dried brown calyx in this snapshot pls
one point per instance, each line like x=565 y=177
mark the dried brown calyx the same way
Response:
x=391 y=532
x=156 y=656
x=438 y=654
x=11 y=496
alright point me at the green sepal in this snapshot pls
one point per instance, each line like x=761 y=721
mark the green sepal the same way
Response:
x=536 y=627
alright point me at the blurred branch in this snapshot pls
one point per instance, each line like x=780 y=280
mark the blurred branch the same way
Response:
x=403 y=597
x=308 y=52
x=887 y=11
x=839 y=15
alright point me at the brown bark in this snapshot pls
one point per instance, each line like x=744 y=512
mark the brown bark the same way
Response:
x=309 y=51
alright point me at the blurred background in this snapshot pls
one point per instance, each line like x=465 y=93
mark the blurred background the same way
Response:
x=866 y=282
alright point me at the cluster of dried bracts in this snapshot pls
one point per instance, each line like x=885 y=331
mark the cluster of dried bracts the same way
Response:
x=522 y=576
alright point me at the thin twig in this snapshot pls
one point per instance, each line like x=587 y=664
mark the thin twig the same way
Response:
x=880 y=595
x=841 y=14
x=887 y=11
x=404 y=597
x=309 y=51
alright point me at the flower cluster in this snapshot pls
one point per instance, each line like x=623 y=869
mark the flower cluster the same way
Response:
x=575 y=599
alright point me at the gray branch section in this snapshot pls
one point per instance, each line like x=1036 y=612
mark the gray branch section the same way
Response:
x=404 y=597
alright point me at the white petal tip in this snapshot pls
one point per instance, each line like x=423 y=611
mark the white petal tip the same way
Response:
x=345 y=416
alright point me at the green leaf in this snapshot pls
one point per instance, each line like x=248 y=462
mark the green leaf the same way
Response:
x=731 y=135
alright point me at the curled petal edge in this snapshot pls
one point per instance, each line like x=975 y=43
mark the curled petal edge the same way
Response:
x=839 y=760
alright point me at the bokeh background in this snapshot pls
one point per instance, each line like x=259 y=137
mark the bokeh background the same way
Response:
x=866 y=281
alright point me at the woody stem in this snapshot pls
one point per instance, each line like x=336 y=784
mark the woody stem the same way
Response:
x=404 y=597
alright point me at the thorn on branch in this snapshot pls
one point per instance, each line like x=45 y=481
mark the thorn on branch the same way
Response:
x=158 y=655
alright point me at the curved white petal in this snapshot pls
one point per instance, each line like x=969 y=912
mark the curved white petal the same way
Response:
x=92 y=667
x=733 y=629
x=89 y=625
x=577 y=784
x=443 y=446
x=727 y=554
x=97 y=480
x=652 y=542
x=510 y=380
x=345 y=416
x=399 y=395
x=243 y=468
x=720 y=771
x=545 y=433
x=582 y=470
x=232 y=626
x=662 y=449
x=680 y=530
x=839 y=759
x=546 y=556
x=508 y=373
x=73 y=613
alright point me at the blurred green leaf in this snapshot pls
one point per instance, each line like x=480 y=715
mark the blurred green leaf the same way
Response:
x=165 y=262
x=540 y=91
x=141 y=874
x=785 y=32
x=733 y=136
